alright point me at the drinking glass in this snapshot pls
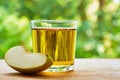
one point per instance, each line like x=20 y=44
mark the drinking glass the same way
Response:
x=56 y=38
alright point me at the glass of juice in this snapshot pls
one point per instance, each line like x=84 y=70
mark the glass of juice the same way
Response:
x=57 y=39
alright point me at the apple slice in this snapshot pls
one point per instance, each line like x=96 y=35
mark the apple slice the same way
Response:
x=26 y=62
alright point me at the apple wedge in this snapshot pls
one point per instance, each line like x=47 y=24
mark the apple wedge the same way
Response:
x=26 y=62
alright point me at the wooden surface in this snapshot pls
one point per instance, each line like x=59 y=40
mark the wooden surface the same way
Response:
x=85 y=69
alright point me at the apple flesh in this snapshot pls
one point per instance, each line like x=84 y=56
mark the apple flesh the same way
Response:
x=26 y=62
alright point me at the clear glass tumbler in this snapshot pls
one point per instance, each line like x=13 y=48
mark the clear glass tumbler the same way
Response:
x=56 y=38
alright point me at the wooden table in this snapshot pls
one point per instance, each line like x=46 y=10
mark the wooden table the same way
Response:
x=85 y=69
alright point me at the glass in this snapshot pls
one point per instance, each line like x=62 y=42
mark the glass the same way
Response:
x=56 y=38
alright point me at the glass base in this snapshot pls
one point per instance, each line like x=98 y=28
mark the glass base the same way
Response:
x=60 y=68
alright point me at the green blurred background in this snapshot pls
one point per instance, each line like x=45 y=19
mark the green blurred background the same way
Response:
x=98 y=34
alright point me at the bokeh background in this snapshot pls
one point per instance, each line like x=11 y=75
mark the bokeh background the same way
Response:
x=98 y=34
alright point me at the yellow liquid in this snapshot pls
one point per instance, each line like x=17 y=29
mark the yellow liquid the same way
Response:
x=57 y=43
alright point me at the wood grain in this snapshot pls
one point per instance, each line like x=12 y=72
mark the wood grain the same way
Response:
x=85 y=69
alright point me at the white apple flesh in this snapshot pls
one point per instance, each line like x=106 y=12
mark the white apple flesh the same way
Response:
x=26 y=62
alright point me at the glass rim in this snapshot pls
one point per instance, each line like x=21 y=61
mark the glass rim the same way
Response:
x=57 y=21
x=54 y=21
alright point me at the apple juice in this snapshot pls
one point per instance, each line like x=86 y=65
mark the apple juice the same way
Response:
x=58 y=43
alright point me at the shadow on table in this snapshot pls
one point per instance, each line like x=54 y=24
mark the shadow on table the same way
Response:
x=42 y=75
